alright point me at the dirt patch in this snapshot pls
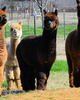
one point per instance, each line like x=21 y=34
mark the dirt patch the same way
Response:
x=61 y=94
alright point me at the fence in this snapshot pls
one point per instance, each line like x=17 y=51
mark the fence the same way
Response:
x=32 y=24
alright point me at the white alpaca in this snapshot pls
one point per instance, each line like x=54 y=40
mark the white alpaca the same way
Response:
x=11 y=67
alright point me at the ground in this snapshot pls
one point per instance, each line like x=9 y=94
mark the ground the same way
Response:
x=57 y=87
x=61 y=94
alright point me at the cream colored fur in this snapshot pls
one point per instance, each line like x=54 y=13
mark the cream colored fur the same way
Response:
x=11 y=67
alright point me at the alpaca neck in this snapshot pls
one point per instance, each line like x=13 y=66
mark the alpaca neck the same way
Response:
x=49 y=41
x=13 y=45
x=2 y=34
x=49 y=35
x=2 y=40
x=78 y=33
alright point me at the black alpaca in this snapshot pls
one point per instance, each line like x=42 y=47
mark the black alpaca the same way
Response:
x=36 y=54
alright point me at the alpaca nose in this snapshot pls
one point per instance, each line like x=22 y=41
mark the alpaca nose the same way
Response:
x=49 y=22
x=4 y=20
x=15 y=34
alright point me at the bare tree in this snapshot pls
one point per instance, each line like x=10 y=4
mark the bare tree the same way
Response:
x=42 y=5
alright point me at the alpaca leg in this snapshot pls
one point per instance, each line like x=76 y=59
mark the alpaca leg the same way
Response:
x=41 y=78
x=77 y=79
x=32 y=82
x=47 y=68
x=9 y=77
x=18 y=84
x=24 y=71
x=77 y=73
x=17 y=77
x=41 y=81
x=25 y=80
x=70 y=71
x=10 y=84
x=31 y=78
x=1 y=76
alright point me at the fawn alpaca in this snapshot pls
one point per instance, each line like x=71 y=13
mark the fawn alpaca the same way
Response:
x=11 y=66
x=72 y=48
x=36 y=54
x=3 y=50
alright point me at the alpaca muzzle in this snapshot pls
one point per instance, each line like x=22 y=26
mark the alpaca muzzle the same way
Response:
x=4 y=20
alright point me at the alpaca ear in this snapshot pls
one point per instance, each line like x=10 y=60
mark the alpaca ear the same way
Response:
x=4 y=8
x=77 y=1
x=20 y=23
x=9 y=23
x=45 y=11
x=56 y=12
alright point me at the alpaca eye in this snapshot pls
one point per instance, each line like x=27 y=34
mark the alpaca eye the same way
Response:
x=11 y=29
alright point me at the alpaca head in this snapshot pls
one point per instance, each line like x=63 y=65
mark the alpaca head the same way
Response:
x=51 y=21
x=78 y=8
x=15 y=30
x=3 y=16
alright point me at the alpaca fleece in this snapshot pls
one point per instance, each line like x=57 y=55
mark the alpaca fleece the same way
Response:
x=3 y=50
x=12 y=67
x=36 y=54
x=72 y=48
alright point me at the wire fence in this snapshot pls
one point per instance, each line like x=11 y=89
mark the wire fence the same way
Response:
x=32 y=25
x=32 y=22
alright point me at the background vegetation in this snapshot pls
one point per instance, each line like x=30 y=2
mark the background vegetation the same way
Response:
x=68 y=29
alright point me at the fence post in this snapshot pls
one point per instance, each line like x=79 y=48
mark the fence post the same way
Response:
x=34 y=22
x=64 y=21
x=42 y=20
x=28 y=22
x=5 y=31
x=11 y=9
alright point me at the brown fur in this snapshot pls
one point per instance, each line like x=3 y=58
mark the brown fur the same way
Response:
x=72 y=48
x=36 y=54
x=3 y=51
x=11 y=66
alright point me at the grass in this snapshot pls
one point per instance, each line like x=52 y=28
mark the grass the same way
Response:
x=39 y=30
x=5 y=97
x=50 y=98
x=58 y=80
x=68 y=29
x=37 y=96
x=59 y=66
x=4 y=84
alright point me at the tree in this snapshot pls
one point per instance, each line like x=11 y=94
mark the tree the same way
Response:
x=42 y=5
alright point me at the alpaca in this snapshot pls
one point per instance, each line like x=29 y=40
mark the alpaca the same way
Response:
x=72 y=48
x=36 y=54
x=3 y=50
x=11 y=67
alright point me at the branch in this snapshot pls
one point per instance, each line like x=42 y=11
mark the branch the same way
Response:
x=41 y=7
